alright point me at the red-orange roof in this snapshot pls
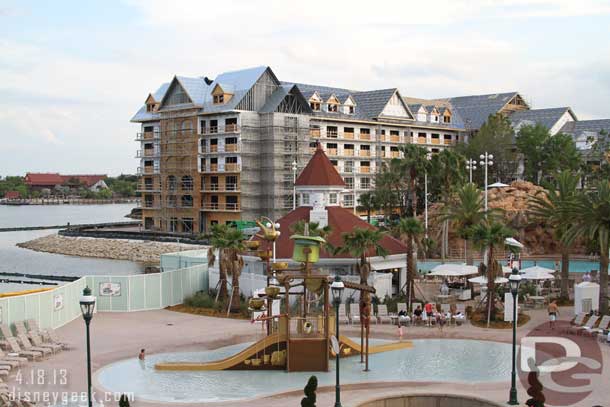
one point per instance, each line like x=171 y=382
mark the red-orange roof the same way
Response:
x=43 y=179
x=52 y=179
x=320 y=172
x=12 y=195
x=341 y=220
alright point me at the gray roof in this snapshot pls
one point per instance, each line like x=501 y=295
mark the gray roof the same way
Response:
x=278 y=96
x=592 y=126
x=474 y=110
x=142 y=115
x=415 y=108
x=546 y=117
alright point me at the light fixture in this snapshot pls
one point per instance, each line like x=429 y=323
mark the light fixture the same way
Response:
x=87 y=304
x=337 y=289
x=515 y=280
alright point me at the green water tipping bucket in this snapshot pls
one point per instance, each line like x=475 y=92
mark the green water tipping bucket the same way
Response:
x=303 y=242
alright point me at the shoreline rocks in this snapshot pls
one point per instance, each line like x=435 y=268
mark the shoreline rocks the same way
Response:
x=114 y=249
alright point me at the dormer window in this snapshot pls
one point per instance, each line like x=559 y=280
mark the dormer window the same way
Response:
x=315 y=106
x=332 y=107
x=446 y=119
x=315 y=102
x=349 y=106
x=150 y=107
x=332 y=104
x=221 y=94
x=350 y=109
x=151 y=103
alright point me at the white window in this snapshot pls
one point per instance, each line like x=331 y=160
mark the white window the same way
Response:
x=305 y=199
x=365 y=183
x=348 y=166
x=332 y=199
x=348 y=200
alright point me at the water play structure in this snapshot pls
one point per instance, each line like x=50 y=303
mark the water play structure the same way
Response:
x=293 y=340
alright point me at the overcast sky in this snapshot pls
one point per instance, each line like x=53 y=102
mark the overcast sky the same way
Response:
x=72 y=73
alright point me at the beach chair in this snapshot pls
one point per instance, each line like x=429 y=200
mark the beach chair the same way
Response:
x=6 y=334
x=382 y=314
x=343 y=314
x=13 y=359
x=604 y=325
x=20 y=328
x=33 y=325
x=39 y=343
x=50 y=336
x=579 y=319
x=354 y=312
x=589 y=325
x=27 y=345
x=15 y=348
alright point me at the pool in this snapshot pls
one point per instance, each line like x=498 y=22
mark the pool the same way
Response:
x=576 y=266
x=436 y=360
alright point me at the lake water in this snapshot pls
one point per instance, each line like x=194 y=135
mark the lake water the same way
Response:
x=15 y=259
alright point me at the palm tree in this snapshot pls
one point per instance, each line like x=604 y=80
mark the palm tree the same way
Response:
x=490 y=235
x=368 y=202
x=552 y=207
x=411 y=230
x=229 y=243
x=444 y=174
x=359 y=243
x=591 y=213
x=415 y=161
x=466 y=212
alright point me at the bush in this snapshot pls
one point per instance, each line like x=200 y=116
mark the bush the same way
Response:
x=200 y=300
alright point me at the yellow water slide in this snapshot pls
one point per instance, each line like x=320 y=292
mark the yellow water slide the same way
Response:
x=227 y=363
x=347 y=343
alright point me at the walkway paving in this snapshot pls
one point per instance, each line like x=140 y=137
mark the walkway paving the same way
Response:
x=117 y=336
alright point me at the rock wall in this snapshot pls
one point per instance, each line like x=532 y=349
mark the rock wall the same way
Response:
x=514 y=200
x=132 y=250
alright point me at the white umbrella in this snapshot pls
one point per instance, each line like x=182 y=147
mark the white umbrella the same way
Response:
x=453 y=270
x=537 y=269
x=506 y=270
x=513 y=242
x=537 y=275
x=483 y=280
x=498 y=185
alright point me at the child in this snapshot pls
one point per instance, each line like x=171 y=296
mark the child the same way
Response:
x=142 y=354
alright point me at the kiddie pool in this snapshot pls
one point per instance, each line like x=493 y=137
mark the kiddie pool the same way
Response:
x=430 y=360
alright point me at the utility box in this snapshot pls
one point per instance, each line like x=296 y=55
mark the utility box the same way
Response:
x=586 y=297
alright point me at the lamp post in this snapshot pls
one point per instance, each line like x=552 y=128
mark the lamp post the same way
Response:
x=337 y=290
x=486 y=161
x=294 y=184
x=515 y=280
x=87 y=305
x=471 y=165
x=429 y=158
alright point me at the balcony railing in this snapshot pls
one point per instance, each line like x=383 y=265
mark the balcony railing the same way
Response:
x=217 y=168
x=436 y=141
x=314 y=133
x=148 y=135
x=154 y=187
x=146 y=170
x=150 y=205
x=365 y=170
x=349 y=152
x=332 y=151
x=394 y=138
x=221 y=207
x=422 y=140
x=332 y=133
x=213 y=148
x=231 y=148
x=147 y=152
x=231 y=167
x=221 y=188
x=448 y=142
x=364 y=153
x=365 y=136
x=229 y=128
x=348 y=135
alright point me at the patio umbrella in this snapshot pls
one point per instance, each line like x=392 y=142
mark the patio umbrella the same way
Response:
x=537 y=269
x=537 y=275
x=483 y=280
x=513 y=242
x=498 y=185
x=454 y=270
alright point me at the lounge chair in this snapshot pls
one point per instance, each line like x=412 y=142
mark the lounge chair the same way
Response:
x=50 y=336
x=354 y=312
x=15 y=348
x=33 y=325
x=382 y=314
x=20 y=327
x=38 y=342
x=604 y=325
x=6 y=334
x=589 y=325
x=460 y=316
x=343 y=314
x=579 y=319
x=18 y=359
x=27 y=345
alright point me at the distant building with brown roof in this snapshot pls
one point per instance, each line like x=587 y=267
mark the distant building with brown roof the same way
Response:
x=37 y=181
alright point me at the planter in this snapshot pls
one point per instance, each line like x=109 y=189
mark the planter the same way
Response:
x=313 y=285
x=264 y=254
x=247 y=362
x=256 y=303
x=279 y=266
x=266 y=359
x=253 y=244
x=272 y=291
x=256 y=362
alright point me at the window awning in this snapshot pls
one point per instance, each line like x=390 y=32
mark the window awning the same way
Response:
x=389 y=264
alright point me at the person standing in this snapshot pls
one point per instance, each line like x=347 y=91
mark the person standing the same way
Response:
x=553 y=310
x=142 y=354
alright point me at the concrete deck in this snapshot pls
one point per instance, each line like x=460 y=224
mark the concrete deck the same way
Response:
x=117 y=336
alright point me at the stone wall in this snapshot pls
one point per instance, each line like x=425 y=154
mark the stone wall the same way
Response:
x=429 y=400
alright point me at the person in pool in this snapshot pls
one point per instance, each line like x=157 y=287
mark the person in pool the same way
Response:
x=142 y=354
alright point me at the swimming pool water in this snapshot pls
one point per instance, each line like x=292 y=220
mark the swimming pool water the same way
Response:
x=576 y=266
x=435 y=360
